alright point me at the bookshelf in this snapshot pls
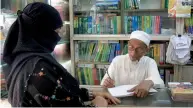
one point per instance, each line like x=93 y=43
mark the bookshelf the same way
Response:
x=99 y=18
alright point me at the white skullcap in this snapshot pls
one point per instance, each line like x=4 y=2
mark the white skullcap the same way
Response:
x=141 y=35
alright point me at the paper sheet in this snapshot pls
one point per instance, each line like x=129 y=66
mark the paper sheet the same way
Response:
x=121 y=91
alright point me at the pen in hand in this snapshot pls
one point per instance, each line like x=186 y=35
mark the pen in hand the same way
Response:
x=109 y=81
x=106 y=70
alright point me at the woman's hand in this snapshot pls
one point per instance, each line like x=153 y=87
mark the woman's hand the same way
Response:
x=108 y=97
x=99 y=101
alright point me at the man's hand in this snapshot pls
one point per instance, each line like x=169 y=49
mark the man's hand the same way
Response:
x=99 y=101
x=142 y=89
x=109 y=83
x=108 y=97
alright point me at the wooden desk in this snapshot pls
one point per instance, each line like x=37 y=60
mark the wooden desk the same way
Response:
x=159 y=99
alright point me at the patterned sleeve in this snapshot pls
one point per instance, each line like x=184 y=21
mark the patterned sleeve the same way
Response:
x=46 y=90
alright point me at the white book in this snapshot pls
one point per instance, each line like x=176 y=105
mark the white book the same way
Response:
x=121 y=91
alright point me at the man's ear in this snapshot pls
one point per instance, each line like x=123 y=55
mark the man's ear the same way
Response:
x=147 y=49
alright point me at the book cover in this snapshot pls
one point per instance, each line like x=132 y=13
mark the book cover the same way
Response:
x=181 y=91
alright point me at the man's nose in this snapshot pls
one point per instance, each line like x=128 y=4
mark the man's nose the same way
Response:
x=132 y=53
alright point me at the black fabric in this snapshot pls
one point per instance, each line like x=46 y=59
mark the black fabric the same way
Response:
x=32 y=38
x=42 y=87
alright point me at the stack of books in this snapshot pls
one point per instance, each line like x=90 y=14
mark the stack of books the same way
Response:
x=102 y=24
x=181 y=91
x=92 y=51
x=90 y=74
x=149 y=24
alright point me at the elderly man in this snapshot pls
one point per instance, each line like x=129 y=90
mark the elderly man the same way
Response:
x=134 y=68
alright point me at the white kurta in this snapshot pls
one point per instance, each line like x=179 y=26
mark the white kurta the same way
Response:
x=124 y=71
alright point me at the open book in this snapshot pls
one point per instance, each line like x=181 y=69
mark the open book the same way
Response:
x=121 y=91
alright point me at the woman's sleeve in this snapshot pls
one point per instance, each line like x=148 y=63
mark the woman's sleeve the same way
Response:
x=47 y=91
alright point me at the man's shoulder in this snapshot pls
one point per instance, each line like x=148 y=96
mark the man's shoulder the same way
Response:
x=120 y=57
x=148 y=59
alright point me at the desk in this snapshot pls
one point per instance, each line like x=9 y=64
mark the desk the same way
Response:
x=159 y=99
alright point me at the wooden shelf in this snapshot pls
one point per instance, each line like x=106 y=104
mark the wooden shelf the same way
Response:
x=165 y=66
x=147 y=10
x=117 y=37
x=99 y=11
x=97 y=63
x=107 y=63
x=114 y=37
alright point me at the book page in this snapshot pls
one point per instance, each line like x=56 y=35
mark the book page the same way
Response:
x=121 y=91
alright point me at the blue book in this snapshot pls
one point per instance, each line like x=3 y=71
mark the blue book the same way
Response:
x=89 y=18
x=118 y=49
x=112 y=53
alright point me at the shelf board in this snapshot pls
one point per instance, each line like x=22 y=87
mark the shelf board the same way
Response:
x=99 y=11
x=97 y=63
x=165 y=66
x=107 y=63
x=114 y=37
x=146 y=10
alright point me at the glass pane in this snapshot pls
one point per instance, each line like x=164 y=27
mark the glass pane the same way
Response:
x=62 y=50
x=63 y=8
x=97 y=17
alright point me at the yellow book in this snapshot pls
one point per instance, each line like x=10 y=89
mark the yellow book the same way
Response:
x=155 y=49
x=158 y=53
x=162 y=4
x=90 y=51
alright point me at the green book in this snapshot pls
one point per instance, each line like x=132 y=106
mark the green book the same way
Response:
x=94 y=52
x=107 y=53
x=91 y=47
x=115 y=24
x=86 y=76
x=99 y=51
x=166 y=4
x=75 y=25
x=87 y=51
x=82 y=75
x=103 y=53
x=79 y=75
x=91 y=76
x=80 y=25
x=100 y=74
x=125 y=23
x=85 y=25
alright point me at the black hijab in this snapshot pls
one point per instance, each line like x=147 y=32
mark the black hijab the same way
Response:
x=30 y=39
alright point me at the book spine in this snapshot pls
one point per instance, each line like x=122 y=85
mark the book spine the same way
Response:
x=89 y=31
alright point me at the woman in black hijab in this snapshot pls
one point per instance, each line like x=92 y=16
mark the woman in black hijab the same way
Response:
x=35 y=78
